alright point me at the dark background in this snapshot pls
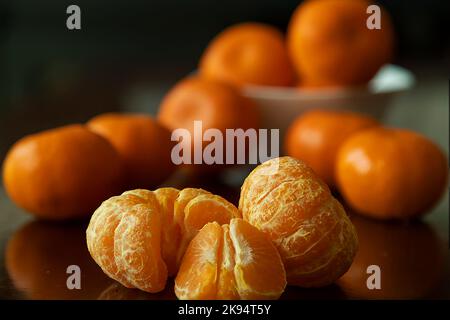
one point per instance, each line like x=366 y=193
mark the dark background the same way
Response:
x=52 y=76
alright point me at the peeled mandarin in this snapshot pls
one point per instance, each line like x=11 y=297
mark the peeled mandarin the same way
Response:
x=139 y=237
x=235 y=261
x=286 y=200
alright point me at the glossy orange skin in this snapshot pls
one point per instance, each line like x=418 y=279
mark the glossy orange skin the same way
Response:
x=218 y=105
x=391 y=173
x=64 y=173
x=330 y=44
x=315 y=137
x=248 y=53
x=143 y=145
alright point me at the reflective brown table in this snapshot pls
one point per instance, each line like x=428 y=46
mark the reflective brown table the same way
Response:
x=414 y=259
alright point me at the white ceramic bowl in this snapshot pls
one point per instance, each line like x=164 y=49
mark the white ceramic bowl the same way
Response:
x=280 y=106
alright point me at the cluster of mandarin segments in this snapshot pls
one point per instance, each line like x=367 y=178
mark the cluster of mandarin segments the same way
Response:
x=139 y=237
x=284 y=198
x=232 y=261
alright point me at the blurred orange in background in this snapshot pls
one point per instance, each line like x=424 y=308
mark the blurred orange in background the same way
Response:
x=390 y=173
x=63 y=173
x=143 y=145
x=330 y=44
x=246 y=54
x=216 y=104
x=315 y=137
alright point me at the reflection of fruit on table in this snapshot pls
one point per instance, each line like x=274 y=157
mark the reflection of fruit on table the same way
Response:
x=116 y=291
x=37 y=257
x=410 y=256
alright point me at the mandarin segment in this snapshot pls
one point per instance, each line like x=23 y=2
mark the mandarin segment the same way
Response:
x=198 y=274
x=196 y=207
x=258 y=271
x=140 y=237
x=235 y=261
x=171 y=235
x=137 y=247
x=226 y=286
x=123 y=237
x=286 y=200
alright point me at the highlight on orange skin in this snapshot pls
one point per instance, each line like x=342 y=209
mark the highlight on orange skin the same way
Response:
x=409 y=170
x=50 y=173
x=248 y=54
x=330 y=44
x=285 y=199
x=315 y=137
x=139 y=237
x=143 y=144
x=234 y=261
x=216 y=104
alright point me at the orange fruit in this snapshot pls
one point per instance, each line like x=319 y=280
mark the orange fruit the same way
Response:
x=235 y=261
x=246 y=54
x=139 y=237
x=38 y=255
x=330 y=44
x=142 y=143
x=284 y=198
x=216 y=104
x=316 y=136
x=63 y=173
x=391 y=173
x=404 y=253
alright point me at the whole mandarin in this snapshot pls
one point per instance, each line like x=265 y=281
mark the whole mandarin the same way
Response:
x=389 y=173
x=285 y=199
x=248 y=54
x=143 y=145
x=217 y=105
x=330 y=44
x=63 y=173
x=315 y=137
